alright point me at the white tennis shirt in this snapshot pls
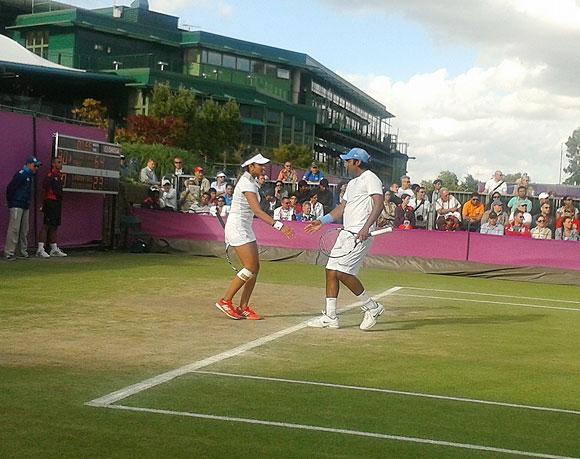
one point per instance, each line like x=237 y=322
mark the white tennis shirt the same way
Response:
x=241 y=214
x=359 y=202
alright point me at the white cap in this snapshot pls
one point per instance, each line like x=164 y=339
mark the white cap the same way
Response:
x=166 y=182
x=220 y=174
x=543 y=195
x=258 y=159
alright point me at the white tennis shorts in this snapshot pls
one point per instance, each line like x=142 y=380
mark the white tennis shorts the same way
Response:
x=238 y=235
x=351 y=263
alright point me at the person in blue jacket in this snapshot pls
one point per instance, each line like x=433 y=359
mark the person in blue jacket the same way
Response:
x=314 y=175
x=18 y=196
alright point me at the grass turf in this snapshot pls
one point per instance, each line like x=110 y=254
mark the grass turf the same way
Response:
x=72 y=330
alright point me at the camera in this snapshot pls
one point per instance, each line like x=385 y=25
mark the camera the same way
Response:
x=419 y=218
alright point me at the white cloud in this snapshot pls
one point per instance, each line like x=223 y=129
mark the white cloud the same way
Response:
x=481 y=120
x=512 y=111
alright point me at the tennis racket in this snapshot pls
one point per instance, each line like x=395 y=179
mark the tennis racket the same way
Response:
x=347 y=243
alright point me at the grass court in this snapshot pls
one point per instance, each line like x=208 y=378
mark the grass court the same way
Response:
x=116 y=355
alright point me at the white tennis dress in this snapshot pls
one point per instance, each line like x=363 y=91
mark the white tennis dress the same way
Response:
x=238 y=229
x=359 y=205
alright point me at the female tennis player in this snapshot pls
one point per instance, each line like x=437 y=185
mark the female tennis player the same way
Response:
x=239 y=235
x=360 y=208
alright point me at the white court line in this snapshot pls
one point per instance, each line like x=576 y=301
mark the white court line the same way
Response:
x=391 y=391
x=524 y=305
x=357 y=433
x=493 y=294
x=165 y=377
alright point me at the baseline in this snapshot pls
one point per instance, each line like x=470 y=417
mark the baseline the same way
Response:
x=469 y=300
x=493 y=294
x=357 y=433
x=391 y=391
x=134 y=389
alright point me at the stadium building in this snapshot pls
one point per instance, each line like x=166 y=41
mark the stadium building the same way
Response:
x=284 y=96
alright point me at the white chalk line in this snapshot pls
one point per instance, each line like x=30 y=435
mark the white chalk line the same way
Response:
x=357 y=433
x=390 y=391
x=493 y=294
x=129 y=391
x=469 y=300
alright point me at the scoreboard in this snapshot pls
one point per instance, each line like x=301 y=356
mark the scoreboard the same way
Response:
x=88 y=166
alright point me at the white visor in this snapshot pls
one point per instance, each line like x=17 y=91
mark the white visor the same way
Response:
x=258 y=159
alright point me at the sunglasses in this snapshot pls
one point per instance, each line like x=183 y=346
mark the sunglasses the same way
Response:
x=541 y=221
x=177 y=162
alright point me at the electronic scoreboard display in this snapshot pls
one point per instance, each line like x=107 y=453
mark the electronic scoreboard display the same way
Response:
x=88 y=166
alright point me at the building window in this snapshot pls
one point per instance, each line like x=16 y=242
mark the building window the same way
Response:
x=273 y=117
x=214 y=58
x=37 y=42
x=258 y=67
x=243 y=64
x=284 y=74
x=270 y=70
x=229 y=61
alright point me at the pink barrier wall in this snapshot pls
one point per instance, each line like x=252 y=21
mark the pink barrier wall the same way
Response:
x=82 y=217
x=457 y=246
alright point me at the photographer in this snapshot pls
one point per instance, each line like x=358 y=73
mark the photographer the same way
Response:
x=422 y=208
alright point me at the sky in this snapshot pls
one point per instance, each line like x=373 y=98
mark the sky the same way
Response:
x=475 y=85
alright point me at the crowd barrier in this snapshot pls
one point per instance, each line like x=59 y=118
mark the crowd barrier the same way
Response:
x=452 y=246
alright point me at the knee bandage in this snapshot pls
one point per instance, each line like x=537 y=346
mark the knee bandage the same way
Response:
x=245 y=274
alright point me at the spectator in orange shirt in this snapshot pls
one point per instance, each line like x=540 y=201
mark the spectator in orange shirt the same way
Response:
x=472 y=212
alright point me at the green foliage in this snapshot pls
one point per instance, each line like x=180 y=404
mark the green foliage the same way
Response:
x=137 y=154
x=469 y=184
x=92 y=111
x=573 y=157
x=449 y=179
x=511 y=178
x=299 y=155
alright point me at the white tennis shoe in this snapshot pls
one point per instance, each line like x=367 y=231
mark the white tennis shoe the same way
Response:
x=57 y=253
x=371 y=315
x=323 y=322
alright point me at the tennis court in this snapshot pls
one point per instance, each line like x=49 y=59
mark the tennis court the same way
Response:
x=455 y=367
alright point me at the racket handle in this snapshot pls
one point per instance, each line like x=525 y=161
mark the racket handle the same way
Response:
x=381 y=231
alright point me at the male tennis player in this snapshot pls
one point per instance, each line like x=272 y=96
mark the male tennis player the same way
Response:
x=362 y=204
x=239 y=235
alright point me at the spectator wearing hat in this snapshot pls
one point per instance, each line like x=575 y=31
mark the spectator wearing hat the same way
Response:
x=472 y=212
x=219 y=184
x=517 y=227
x=287 y=174
x=567 y=204
x=521 y=197
x=200 y=181
x=147 y=175
x=498 y=207
x=325 y=196
x=405 y=213
x=543 y=198
x=492 y=226
x=567 y=232
x=18 y=196
x=541 y=230
x=447 y=210
x=422 y=208
x=496 y=184
x=167 y=196
x=314 y=175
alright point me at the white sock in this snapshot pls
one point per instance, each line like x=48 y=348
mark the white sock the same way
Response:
x=366 y=300
x=40 y=246
x=331 y=307
x=53 y=246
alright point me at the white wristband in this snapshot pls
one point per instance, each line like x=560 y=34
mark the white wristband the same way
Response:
x=278 y=225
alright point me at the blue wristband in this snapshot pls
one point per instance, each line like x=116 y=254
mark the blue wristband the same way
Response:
x=326 y=219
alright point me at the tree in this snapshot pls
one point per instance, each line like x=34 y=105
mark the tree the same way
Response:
x=92 y=111
x=231 y=130
x=449 y=180
x=573 y=157
x=299 y=155
x=469 y=184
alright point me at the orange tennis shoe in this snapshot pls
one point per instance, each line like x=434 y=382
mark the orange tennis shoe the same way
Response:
x=228 y=309
x=247 y=313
